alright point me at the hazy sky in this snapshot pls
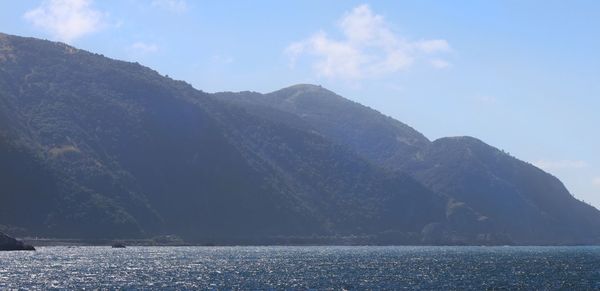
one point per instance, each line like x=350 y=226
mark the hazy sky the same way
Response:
x=523 y=76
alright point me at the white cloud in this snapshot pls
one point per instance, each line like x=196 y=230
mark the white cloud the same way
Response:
x=596 y=181
x=143 y=48
x=66 y=20
x=369 y=48
x=439 y=63
x=560 y=165
x=335 y=58
x=433 y=46
x=178 y=6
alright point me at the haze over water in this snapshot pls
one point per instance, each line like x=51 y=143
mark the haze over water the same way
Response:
x=441 y=268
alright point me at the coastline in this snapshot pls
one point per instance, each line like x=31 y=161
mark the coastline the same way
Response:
x=51 y=242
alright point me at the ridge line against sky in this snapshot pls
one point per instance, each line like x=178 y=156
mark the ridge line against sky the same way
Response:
x=522 y=76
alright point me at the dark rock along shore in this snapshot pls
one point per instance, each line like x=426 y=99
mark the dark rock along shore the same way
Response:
x=8 y=243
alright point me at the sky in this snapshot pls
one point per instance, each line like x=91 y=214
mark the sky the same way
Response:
x=523 y=76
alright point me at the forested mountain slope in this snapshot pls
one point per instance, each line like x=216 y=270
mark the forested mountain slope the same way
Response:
x=92 y=147
x=98 y=148
x=513 y=197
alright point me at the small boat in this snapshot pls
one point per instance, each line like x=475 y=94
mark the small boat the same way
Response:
x=118 y=246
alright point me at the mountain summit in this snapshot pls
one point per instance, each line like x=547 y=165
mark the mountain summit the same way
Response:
x=92 y=147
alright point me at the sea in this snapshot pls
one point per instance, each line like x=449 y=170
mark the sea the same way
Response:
x=301 y=268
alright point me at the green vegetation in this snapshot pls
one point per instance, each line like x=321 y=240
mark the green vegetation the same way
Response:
x=119 y=151
x=94 y=148
x=491 y=195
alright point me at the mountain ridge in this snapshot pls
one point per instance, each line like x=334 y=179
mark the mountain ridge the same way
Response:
x=131 y=153
x=492 y=169
x=92 y=147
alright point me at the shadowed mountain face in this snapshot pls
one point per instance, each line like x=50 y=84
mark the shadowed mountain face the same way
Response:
x=533 y=206
x=505 y=195
x=96 y=148
x=91 y=147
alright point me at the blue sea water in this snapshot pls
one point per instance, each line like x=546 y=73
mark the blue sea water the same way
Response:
x=335 y=268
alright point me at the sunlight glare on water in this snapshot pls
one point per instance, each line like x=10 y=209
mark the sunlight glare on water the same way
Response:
x=303 y=267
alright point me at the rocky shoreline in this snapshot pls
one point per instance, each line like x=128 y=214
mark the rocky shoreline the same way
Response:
x=8 y=243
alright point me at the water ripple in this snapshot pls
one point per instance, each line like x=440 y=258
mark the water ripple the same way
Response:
x=326 y=268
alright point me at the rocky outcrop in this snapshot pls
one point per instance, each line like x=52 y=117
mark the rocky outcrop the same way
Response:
x=8 y=243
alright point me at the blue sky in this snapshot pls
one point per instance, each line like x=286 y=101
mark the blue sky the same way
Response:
x=523 y=76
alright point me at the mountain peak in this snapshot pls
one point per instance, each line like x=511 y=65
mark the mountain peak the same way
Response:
x=99 y=148
x=305 y=86
x=300 y=89
x=461 y=139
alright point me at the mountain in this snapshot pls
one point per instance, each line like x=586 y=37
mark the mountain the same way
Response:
x=514 y=198
x=92 y=147
x=533 y=206
x=375 y=136
x=97 y=148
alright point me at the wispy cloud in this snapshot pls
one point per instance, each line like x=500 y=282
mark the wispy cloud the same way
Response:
x=66 y=20
x=433 y=46
x=143 y=48
x=439 y=63
x=369 y=48
x=178 y=6
x=596 y=182
x=560 y=165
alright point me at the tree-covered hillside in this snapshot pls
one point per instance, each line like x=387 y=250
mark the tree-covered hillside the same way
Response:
x=92 y=147
x=506 y=196
x=99 y=148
